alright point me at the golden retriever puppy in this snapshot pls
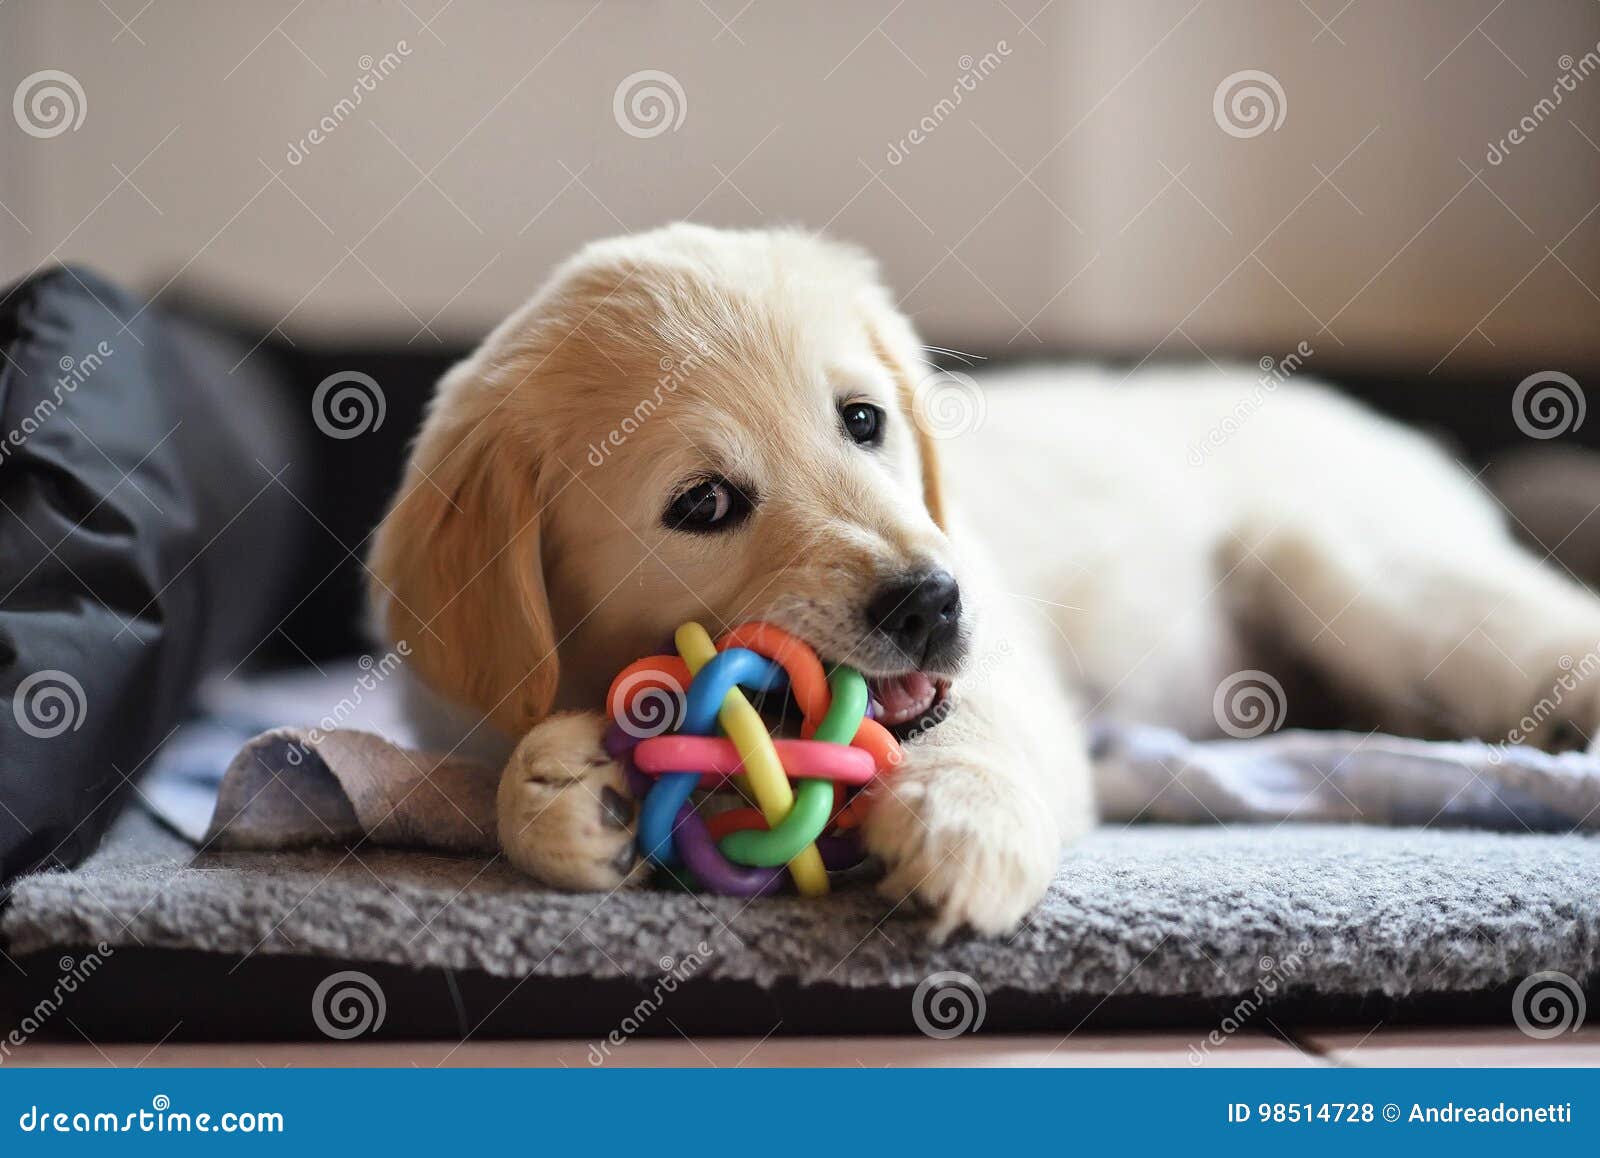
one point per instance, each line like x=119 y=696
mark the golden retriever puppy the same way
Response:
x=725 y=426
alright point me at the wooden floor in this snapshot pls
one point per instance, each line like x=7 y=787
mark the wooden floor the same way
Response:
x=1338 y=1047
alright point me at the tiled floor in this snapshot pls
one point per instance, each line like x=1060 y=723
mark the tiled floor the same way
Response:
x=1376 y=1047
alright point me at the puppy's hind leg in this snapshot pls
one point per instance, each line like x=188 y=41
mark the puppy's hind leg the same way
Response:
x=564 y=812
x=1442 y=626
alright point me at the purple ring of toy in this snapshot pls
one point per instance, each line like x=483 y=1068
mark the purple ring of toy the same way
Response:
x=714 y=871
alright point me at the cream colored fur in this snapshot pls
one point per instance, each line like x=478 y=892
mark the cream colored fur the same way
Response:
x=1106 y=563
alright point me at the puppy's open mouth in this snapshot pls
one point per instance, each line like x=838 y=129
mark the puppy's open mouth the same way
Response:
x=909 y=703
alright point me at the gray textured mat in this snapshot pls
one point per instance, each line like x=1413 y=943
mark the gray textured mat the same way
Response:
x=1153 y=910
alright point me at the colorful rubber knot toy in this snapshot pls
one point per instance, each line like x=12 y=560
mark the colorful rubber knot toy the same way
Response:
x=681 y=722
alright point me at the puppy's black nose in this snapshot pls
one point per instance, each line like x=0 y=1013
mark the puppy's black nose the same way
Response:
x=918 y=615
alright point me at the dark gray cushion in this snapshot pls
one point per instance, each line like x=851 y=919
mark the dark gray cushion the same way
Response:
x=143 y=539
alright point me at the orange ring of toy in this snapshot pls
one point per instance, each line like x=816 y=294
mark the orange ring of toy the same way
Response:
x=671 y=672
x=734 y=820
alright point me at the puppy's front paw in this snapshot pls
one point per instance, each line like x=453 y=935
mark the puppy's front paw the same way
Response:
x=564 y=811
x=969 y=844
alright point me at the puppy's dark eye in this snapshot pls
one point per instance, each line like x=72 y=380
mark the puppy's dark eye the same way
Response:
x=708 y=506
x=863 y=422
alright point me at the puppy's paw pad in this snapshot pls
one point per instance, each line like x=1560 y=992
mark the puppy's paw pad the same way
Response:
x=564 y=812
x=616 y=809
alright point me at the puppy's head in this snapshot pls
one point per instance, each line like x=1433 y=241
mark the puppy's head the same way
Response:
x=686 y=424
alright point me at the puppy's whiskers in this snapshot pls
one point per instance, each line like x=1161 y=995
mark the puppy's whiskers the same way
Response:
x=969 y=359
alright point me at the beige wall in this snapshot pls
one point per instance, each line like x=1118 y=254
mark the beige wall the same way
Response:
x=1082 y=196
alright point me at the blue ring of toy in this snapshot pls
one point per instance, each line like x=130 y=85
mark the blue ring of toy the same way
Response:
x=736 y=667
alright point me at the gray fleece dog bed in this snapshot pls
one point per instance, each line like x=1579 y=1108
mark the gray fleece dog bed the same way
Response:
x=1320 y=913
x=1146 y=923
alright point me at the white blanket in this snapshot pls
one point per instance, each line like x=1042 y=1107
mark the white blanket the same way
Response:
x=1155 y=774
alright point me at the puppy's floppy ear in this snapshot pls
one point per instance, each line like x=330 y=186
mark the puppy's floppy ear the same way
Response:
x=905 y=391
x=457 y=568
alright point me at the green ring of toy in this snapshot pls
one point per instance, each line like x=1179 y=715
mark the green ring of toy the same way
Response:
x=813 y=799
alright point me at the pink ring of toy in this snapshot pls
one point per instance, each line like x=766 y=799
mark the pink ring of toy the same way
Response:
x=718 y=759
